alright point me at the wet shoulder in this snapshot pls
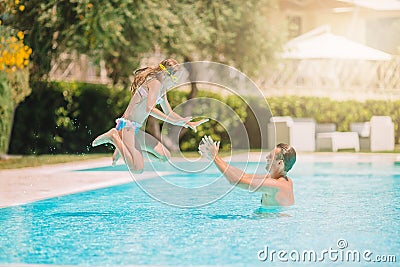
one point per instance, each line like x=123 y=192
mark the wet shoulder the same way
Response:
x=289 y=181
x=286 y=181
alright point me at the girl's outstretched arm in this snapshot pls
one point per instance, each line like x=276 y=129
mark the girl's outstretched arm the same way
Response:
x=156 y=113
x=154 y=91
x=166 y=107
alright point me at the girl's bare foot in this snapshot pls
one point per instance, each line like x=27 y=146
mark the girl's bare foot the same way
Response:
x=115 y=157
x=105 y=138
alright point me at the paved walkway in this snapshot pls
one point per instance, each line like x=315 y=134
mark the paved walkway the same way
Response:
x=19 y=186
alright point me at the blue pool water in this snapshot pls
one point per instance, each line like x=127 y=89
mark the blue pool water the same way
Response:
x=357 y=203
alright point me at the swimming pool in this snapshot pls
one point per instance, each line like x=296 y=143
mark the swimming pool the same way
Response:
x=339 y=206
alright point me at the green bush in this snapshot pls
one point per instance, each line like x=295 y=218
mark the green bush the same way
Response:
x=14 y=87
x=65 y=117
x=6 y=113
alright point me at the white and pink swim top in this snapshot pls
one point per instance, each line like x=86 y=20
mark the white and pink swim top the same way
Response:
x=144 y=94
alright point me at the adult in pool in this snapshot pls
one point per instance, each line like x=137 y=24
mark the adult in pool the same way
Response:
x=149 y=88
x=275 y=186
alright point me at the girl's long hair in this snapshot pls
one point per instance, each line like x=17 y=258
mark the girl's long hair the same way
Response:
x=140 y=76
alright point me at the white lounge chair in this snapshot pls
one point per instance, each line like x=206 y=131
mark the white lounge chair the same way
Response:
x=364 y=132
x=279 y=130
x=298 y=132
x=375 y=135
x=302 y=134
x=329 y=139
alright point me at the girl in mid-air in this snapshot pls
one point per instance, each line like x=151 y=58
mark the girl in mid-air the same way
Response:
x=148 y=89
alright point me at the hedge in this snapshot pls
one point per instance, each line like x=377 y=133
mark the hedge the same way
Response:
x=6 y=113
x=65 y=117
x=14 y=87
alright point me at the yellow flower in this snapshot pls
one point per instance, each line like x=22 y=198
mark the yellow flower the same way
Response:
x=21 y=8
x=20 y=35
x=19 y=61
x=14 y=54
x=16 y=2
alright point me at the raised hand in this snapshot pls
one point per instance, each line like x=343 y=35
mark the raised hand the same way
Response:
x=184 y=122
x=193 y=125
x=208 y=148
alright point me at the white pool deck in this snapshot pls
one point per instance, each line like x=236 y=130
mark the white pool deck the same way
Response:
x=25 y=185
